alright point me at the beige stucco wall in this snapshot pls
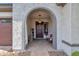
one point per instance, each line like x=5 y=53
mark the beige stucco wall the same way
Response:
x=66 y=28
x=66 y=22
x=75 y=23
x=70 y=27
x=75 y=26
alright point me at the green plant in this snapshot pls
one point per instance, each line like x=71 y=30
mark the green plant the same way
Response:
x=75 y=53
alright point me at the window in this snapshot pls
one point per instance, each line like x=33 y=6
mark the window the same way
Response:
x=6 y=20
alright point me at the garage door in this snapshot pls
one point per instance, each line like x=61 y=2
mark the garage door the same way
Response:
x=5 y=32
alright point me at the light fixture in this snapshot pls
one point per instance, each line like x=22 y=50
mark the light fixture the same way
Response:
x=61 y=4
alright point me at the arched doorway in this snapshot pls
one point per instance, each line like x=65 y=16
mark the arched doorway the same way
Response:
x=41 y=24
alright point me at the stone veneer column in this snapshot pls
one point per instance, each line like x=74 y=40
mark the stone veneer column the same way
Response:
x=17 y=35
x=18 y=43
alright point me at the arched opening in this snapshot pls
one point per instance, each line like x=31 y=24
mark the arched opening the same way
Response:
x=41 y=26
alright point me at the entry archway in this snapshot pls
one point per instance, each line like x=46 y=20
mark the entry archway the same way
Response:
x=41 y=23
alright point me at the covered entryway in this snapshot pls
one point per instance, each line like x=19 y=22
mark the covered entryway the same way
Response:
x=41 y=28
x=24 y=26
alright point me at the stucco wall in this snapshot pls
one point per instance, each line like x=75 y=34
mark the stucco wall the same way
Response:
x=75 y=23
x=66 y=22
x=70 y=28
x=75 y=26
x=66 y=28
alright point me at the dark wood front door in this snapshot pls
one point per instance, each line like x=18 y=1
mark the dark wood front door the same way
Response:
x=39 y=30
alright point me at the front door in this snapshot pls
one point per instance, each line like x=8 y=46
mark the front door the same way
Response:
x=39 y=30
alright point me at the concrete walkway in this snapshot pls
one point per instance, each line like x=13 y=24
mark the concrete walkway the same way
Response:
x=40 y=45
x=35 y=48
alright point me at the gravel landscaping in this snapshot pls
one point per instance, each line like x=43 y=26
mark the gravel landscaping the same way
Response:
x=14 y=53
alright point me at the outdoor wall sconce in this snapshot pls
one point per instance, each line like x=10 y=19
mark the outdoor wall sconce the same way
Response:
x=61 y=4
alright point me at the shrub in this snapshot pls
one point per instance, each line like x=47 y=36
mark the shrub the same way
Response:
x=76 y=53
